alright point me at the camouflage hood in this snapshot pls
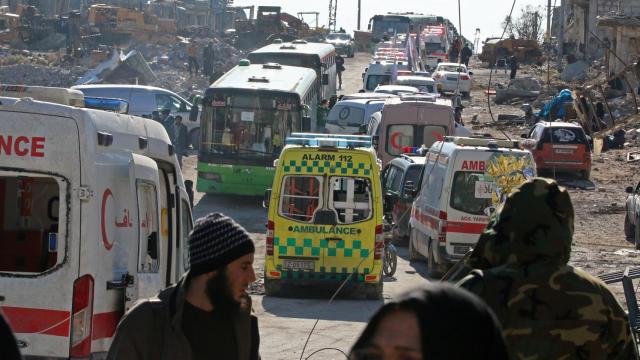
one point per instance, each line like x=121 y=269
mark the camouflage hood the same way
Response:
x=535 y=223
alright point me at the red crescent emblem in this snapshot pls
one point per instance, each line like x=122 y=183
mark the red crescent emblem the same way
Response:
x=392 y=140
x=105 y=240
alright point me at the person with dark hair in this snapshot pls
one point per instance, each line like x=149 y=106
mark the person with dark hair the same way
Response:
x=207 y=314
x=8 y=346
x=548 y=309
x=339 y=69
x=321 y=116
x=167 y=121
x=430 y=323
x=180 y=140
x=513 y=65
x=465 y=54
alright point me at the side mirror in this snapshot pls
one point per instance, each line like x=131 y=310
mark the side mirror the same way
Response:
x=524 y=136
x=152 y=245
x=193 y=114
x=306 y=124
x=629 y=190
x=325 y=79
x=267 y=199
x=410 y=190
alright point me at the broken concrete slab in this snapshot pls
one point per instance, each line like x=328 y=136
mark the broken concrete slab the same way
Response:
x=575 y=71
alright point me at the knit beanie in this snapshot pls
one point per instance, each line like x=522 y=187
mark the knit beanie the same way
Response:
x=215 y=241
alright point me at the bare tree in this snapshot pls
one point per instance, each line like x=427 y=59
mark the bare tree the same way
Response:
x=527 y=26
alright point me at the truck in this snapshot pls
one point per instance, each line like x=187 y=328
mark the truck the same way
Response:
x=94 y=215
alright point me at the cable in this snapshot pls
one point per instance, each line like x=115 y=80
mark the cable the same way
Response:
x=324 y=349
x=328 y=304
x=492 y=66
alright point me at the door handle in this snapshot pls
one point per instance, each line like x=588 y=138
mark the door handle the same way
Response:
x=125 y=282
x=334 y=239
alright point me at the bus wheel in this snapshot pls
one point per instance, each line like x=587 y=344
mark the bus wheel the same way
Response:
x=272 y=288
x=194 y=138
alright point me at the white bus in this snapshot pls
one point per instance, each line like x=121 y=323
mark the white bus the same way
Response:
x=246 y=116
x=320 y=57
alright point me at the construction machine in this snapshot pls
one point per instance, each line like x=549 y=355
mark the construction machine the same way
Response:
x=267 y=26
x=526 y=51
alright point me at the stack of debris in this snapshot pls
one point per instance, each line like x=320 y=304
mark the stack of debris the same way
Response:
x=519 y=89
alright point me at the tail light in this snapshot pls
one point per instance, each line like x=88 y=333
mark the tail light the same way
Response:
x=442 y=226
x=81 y=317
x=379 y=243
x=270 y=226
x=464 y=77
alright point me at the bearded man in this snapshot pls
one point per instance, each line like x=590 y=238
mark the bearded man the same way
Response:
x=207 y=314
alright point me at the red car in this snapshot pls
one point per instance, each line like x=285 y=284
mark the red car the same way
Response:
x=559 y=146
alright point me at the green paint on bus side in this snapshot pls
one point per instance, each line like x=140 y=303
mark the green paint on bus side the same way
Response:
x=235 y=179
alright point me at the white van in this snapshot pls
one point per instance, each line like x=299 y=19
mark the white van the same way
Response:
x=380 y=72
x=56 y=95
x=94 y=215
x=424 y=84
x=144 y=100
x=351 y=117
x=463 y=181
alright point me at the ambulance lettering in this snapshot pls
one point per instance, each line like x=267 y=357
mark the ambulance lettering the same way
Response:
x=473 y=165
x=325 y=157
x=123 y=222
x=22 y=145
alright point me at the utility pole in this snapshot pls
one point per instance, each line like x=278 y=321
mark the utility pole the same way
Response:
x=561 y=35
x=548 y=37
x=333 y=10
x=359 y=12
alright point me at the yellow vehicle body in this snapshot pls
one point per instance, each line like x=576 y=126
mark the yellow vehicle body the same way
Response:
x=325 y=219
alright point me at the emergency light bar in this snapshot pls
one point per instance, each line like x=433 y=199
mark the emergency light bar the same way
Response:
x=485 y=142
x=329 y=140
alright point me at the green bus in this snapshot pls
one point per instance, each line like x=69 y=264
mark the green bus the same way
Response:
x=246 y=116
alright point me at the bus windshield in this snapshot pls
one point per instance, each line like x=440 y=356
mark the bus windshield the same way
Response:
x=248 y=127
x=390 y=26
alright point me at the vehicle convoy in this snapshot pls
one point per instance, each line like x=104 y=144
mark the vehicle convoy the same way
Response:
x=247 y=114
x=463 y=181
x=400 y=178
x=410 y=121
x=144 y=100
x=452 y=77
x=351 y=116
x=94 y=216
x=325 y=219
x=317 y=56
x=342 y=42
x=436 y=44
x=559 y=146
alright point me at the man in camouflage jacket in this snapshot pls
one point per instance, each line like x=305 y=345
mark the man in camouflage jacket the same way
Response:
x=548 y=309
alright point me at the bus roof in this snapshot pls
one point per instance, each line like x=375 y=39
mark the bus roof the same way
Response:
x=267 y=77
x=300 y=47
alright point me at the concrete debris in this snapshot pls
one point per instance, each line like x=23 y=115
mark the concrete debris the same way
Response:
x=520 y=88
x=120 y=68
x=33 y=74
x=575 y=71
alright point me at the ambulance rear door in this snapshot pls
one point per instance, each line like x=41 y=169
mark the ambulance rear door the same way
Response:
x=40 y=215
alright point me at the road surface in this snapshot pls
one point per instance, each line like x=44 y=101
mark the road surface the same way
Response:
x=285 y=323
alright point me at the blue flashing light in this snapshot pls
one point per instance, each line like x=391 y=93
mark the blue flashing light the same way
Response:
x=115 y=105
x=329 y=140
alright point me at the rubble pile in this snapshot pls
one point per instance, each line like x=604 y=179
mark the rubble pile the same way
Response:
x=40 y=75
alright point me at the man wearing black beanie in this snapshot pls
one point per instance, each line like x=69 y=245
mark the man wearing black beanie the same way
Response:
x=207 y=314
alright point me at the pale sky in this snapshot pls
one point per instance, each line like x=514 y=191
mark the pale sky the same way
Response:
x=484 y=14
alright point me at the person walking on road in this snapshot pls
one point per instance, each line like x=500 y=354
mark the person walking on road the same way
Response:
x=339 y=69
x=465 y=55
x=513 y=65
x=167 y=121
x=207 y=60
x=207 y=314
x=192 y=54
x=180 y=140
x=418 y=325
x=548 y=309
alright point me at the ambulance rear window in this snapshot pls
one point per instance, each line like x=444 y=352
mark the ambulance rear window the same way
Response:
x=351 y=199
x=300 y=197
x=464 y=196
x=30 y=212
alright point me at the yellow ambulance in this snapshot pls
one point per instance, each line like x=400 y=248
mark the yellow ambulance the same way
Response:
x=325 y=215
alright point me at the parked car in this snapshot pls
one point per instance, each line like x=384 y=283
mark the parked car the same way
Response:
x=400 y=181
x=632 y=218
x=144 y=100
x=343 y=43
x=451 y=77
x=567 y=150
x=396 y=89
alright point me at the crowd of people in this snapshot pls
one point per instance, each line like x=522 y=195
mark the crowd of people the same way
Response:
x=176 y=130
x=515 y=298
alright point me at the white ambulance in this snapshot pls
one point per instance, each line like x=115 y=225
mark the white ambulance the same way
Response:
x=94 y=215
x=463 y=181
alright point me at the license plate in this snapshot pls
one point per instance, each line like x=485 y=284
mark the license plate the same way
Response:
x=563 y=151
x=298 y=264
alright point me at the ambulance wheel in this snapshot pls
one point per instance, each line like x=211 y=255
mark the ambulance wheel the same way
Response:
x=413 y=254
x=431 y=263
x=374 y=292
x=272 y=288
